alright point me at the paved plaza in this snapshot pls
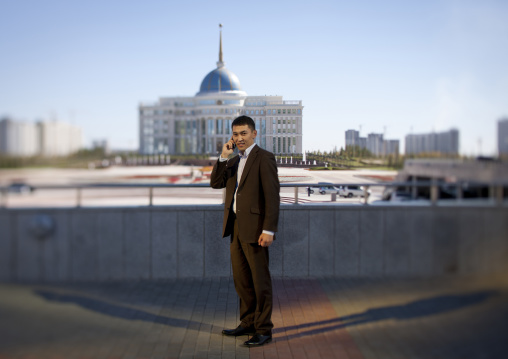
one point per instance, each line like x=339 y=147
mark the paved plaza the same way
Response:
x=460 y=317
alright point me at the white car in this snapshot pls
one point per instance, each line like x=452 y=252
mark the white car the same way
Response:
x=328 y=189
x=352 y=191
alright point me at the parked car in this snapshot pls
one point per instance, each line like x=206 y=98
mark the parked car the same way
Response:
x=399 y=196
x=352 y=191
x=328 y=189
x=20 y=187
x=321 y=185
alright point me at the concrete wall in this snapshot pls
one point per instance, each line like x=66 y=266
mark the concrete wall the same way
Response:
x=313 y=240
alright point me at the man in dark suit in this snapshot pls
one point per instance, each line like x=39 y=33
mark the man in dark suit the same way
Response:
x=251 y=215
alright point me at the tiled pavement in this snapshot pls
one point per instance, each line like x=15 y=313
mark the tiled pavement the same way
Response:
x=445 y=318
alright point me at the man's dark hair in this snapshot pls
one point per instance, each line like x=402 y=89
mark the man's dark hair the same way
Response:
x=244 y=120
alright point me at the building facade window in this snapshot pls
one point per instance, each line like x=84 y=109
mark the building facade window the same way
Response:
x=211 y=127
x=219 y=126
x=227 y=129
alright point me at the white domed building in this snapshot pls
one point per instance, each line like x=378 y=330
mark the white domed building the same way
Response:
x=202 y=124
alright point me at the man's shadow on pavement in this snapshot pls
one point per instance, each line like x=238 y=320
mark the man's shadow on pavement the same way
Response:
x=415 y=309
x=120 y=310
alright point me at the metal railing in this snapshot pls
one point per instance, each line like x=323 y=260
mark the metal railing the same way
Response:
x=496 y=191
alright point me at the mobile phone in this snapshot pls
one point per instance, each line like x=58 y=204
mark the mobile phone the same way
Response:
x=234 y=145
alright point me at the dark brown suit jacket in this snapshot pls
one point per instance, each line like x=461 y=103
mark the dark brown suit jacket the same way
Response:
x=257 y=197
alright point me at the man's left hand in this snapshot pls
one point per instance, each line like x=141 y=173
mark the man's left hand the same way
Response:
x=265 y=240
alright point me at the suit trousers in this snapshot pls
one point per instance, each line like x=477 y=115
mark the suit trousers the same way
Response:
x=253 y=283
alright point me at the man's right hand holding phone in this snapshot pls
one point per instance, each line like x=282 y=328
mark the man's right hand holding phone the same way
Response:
x=228 y=148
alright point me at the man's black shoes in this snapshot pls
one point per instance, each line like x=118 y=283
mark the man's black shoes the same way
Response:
x=239 y=331
x=257 y=340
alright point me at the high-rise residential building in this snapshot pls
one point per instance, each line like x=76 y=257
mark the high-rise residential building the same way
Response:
x=362 y=142
x=59 y=138
x=201 y=124
x=18 y=138
x=352 y=138
x=443 y=142
x=46 y=138
x=374 y=142
x=391 y=147
x=502 y=137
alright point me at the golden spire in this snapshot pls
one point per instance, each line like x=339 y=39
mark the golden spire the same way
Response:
x=220 y=63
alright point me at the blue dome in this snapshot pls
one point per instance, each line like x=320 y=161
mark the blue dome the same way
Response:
x=219 y=80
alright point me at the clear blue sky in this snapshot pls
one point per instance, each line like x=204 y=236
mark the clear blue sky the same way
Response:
x=386 y=66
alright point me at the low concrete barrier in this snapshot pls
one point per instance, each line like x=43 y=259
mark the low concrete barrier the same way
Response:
x=96 y=244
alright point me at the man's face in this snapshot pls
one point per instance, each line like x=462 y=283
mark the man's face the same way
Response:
x=243 y=137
